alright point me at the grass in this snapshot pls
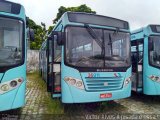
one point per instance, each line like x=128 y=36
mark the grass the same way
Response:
x=51 y=106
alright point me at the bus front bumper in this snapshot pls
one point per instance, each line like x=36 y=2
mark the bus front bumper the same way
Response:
x=74 y=95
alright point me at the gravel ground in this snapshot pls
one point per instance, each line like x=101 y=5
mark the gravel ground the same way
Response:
x=142 y=104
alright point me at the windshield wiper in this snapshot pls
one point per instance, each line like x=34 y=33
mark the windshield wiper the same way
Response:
x=110 y=43
x=93 y=35
x=110 y=40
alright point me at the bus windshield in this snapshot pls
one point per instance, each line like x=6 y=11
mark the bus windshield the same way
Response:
x=154 y=53
x=10 y=42
x=107 y=49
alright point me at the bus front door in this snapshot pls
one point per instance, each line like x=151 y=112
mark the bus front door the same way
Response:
x=56 y=85
x=137 y=66
x=54 y=68
x=49 y=65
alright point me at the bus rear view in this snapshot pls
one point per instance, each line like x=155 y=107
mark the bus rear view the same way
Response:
x=91 y=58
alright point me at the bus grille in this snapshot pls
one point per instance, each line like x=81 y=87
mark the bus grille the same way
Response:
x=103 y=84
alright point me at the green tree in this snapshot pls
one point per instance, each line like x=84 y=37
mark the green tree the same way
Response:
x=81 y=8
x=39 y=32
x=50 y=29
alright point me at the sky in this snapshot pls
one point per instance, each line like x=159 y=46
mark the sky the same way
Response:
x=138 y=13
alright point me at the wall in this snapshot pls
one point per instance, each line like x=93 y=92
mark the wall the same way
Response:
x=32 y=60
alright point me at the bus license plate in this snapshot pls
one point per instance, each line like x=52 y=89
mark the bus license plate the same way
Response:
x=106 y=95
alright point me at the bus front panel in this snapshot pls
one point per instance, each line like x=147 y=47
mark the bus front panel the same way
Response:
x=83 y=87
x=12 y=88
x=95 y=65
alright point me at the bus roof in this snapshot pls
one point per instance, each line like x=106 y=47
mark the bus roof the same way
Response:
x=8 y=8
x=81 y=18
x=137 y=31
x=140 y=33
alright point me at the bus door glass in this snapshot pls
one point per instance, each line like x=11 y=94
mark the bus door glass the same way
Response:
x=56 y=68
x=140 y=64
x=49 y=64
x=137 y=64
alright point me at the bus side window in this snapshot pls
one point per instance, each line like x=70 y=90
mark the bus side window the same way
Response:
x=57 y=52
x=57 y=48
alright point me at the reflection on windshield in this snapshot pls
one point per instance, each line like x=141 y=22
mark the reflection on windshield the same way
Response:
x=82 y=49
x=155 y=52
x=116 y=48
x=10 y=42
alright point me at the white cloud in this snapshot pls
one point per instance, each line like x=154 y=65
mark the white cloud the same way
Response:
x=137 y=12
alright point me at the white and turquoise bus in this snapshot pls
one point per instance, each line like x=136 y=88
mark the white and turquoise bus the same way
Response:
x=12 y=55
x=86 y=58
x=145 y=47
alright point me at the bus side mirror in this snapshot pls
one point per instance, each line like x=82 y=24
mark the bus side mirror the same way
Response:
x=58 y=36
x=151 y=45
x=30 y=31
x=31 y=34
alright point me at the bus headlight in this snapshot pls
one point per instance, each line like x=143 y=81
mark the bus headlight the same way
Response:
x=155 y=78
x=5 y=87
x=10 y=85
x=74 y=82
x=127 y=81
x=79 y=84
x=13 y=83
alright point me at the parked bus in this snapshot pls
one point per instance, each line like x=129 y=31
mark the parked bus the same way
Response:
x=145 y=54
x=88 y=58
x=12 y=55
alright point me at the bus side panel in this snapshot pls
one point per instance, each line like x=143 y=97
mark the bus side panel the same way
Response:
x=6 y=100
x=150 y=87
x=66 y=90
x=1 y=76
x=17 y=72
x=14 y=98
x=19 y=100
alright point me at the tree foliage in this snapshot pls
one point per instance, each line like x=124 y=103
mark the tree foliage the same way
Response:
x=81 y=8
x=50 y=29
x=40 y=30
